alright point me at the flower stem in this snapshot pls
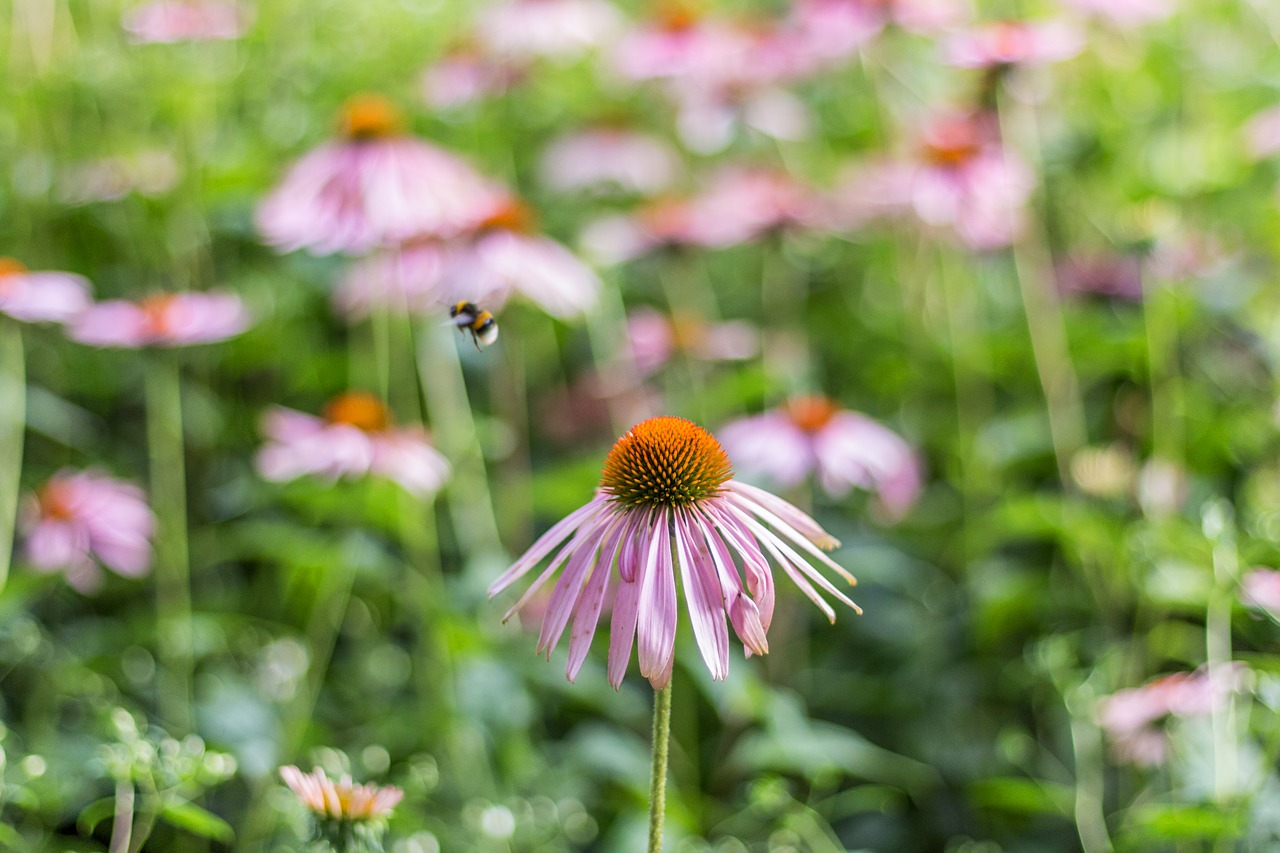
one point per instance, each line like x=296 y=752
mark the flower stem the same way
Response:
x=173 y=569
x=122 y=825
x=658 y=776
x=13 y=422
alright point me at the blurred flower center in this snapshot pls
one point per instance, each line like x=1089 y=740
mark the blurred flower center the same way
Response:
x=156 y=318
x=1010 y=40
x=952 y=143
x=370 y=117
x=8 y=267
x=811 y=413
x=57 y=501
x=666 y=218
x=510 y=215
x=360 y=410
x=665 y=462
x=687 y=331
x=674 y=16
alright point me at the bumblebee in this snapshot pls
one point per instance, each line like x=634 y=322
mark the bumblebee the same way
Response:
x=469 y=317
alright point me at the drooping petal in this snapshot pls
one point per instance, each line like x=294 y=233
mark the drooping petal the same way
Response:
x=547 y=542
x=789 y=532
x=705 y=599
x=569 y=587
x=743 y=612
x=587 y=614
x=656 y=627
x=626 y=610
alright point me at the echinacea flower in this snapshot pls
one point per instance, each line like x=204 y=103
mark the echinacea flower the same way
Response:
x=842 y=449
x=41 y=297
x=833 y=30
x=667 y=503
x=1132 y=717
x=654 y=338
x=79 y=519
x=1007 y=43
x=1261 y=589
x=557 y=29
x=375 y=187
x=355 y=438
x=168 y=21
x=609 y=157
x=162 y=320
x=465 y=75
x=404 y=281
x=1102 y=274
x=341 y=799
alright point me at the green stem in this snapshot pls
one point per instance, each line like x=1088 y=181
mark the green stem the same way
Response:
x=173 y=570
x=1086 y=745
x=1219 y=528
x=13 y=422
x=658 y=775
x=122 y=825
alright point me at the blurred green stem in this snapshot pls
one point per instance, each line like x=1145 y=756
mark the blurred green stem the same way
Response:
x=122 y=823
x=13 y=423
x=1168 y=408
x=785 y=353
x=658 y=774
x=607 y=332
x=1219 y=528
x=173 y=571
x=1086 y=745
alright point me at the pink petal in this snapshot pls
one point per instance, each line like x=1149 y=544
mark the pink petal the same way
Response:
x=656 y=625
x=704 y=597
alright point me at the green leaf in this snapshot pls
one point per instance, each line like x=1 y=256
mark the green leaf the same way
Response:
x=1022 y=795
x=94 y=814
x=1158 y=824
x=198 y=821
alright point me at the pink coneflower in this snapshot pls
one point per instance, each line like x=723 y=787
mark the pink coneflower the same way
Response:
x=1111 y=275
x=1007 y=43
x=961 y=178
x=1261 y=589
x=559 y=29
x=504 y=255
x=680 y=44
x=355 y=438
x=408 y=280
x=162 y=320
x=341 y=799
x=654 y=338
x=667 y=503
x=41 y=297
x=836 y=29
x=465 y=75
x=661 y=223
x=604 y=157
x=375 y=187
x=1127 y=13
x=79 y=519
x=171 y=21
x=1262 y=134
x=1132 y=717
x=843 y=449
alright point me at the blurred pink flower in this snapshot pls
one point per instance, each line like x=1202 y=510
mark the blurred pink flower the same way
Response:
x=1261 y=589
x=41 y=297
x=1126 y=13
x=465 y=75
x=680 y=44
x=961 y=178
x=709 y=117
x=833 y=30
x=355 y=438
x=162 y=320
x=666 y=504
x=1112 y=275
x=607 y=156
x=168 y=21
x=654 y=338
x=560 y=29
x=376 y=187
x=1014 y=43
x=843 y=449
x=1131 y=717
x=505 y=256
x=341 y=799
x=408 y=280
x=81 y=518
x=1262 y=134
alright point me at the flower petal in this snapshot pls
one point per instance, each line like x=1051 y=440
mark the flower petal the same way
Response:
x=703 y=595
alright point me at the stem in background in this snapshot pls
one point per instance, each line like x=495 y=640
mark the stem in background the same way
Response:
x=13 y=423
x=607 y=332
x=1218 y=526
x=782 y=300
x=173 y=570
x=122 y=824
x=658 y=774
x=1168 y=405
x=449 y=410
x=1086 y=747
x=1045 y=321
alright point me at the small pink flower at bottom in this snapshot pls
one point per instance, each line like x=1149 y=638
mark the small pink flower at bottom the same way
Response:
x=843 y=449
x=341 y=799
x=168 y=21
x=667 y=504
x=162 y=320
x=79 y=519
x=41 y=297
x=1261 y=589
x=355 y=438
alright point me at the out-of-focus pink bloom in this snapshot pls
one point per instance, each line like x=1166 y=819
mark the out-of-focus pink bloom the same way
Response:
x=162 y=320
x=81 y=518
x=355 y=438
x=168 y=21
x=1132 y=717
x=1162 y=487
x=465 y=75
x=681 y=45
x=1126 y=13
x=961 y=178
x=560 y=29
x=654 y=338
x=341 y=799
x=1261 y=589
x=41 y=297
x=667 y=504
x=709 y=117
x=376 y=187
x=843 y=449
x=1111 y=275
x=504 y=256
x=148 y=173
x=408 y=280
x=605 y=156
x=1262 y=134
x=833 y=30
x=1014 y=43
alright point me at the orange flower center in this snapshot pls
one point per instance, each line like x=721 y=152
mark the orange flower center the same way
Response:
x=156 y=319
x=665 y=462
x=811 y=413
x=370 y=117
x=359 y=409
x=687 y=331
x=8 y=267
x=56 y=501
x=674 y=16
x=511 y=215
x=665 y=217
x=952 y=143
x=1009 y=39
